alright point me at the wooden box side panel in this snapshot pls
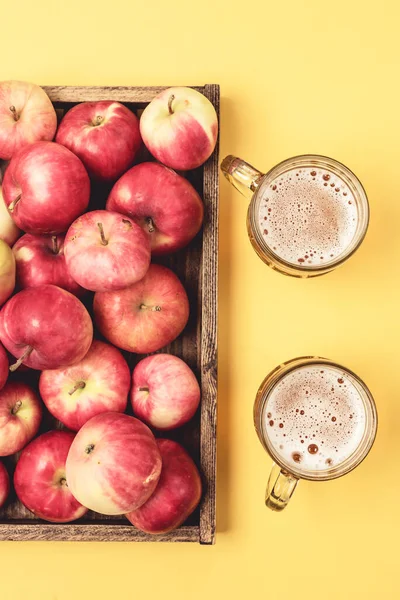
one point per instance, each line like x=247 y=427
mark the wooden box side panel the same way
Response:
x=104 y=532
x=208 y=423
x=73 y=94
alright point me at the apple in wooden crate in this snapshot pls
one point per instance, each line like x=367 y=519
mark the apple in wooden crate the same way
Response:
x=105 y=135
x=106 y=251
x=180 y=128
x=147 y=315
x=9 y=232
x=40 y=481
x=114 y=464
x=4 y=484
x=162 y=202
x=20 y=416
x=45 y=187
x=45 y=328
x=99 y=383
x=26 y=116
x=40 y=260
x=7 y=272
x=165 y=392
x=176 y=496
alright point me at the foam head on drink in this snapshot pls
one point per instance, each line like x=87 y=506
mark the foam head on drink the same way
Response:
x=308 y=216
x=314 y=417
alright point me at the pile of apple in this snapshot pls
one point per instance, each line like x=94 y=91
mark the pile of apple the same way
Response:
x=103 y=459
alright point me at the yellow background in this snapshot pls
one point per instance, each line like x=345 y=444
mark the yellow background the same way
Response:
x=295 y=77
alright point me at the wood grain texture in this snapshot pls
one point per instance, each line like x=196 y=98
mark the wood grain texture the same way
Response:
x=209 y=276
x=196 y=266
x=75 y=532
x=140 y=95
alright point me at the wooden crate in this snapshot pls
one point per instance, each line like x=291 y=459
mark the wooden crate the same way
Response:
x=197 y=268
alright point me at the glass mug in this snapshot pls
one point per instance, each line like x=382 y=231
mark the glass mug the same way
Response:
x=306 y=216
x=316 y=419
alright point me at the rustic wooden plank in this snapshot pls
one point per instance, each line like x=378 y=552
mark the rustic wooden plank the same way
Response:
x=76 y=94
x=90 y=533
x=208 y=433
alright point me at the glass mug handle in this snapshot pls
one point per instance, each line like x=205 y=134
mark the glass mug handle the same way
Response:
x=281 y=486
x=241 y=175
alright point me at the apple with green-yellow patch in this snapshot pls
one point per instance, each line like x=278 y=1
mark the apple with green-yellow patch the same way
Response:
x=20 y=417
x=99 y=383
x=9 y=232
x=7 y=272
x=180 y=128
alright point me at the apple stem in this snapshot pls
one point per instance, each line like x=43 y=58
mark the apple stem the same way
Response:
x=21 y=359
x=14 y=203
x=14 y=113
x=55 y=245
x=150 y=224
x=103 y=237
x=78 y=386
x=89 y=448
x=16 y=407
x=98 y=120
x=154 y=308
x=170 y=101
x=144 y=389
x=63 y=481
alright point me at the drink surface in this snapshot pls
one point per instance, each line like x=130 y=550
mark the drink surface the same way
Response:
x=308 y=216
x=314 y=417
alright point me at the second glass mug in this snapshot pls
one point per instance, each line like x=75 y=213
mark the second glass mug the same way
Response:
x=312 y=197
x=316 y=419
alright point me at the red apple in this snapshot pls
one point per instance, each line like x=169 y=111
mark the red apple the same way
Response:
x=4 y=485
x=180 y=128
x=40 y=259
x=20 y=416
x=162 y=202
x=98 y=383
x=26 y=116
x=45 y=328
x=114 y=464
x=105 y=136
x=7 y=272
x=165 y=392
x=40 y=481
x=3 y=366
x=45 y=187
x=177 y=494
x=9 y=232
x=145 y=316
x=106 y=251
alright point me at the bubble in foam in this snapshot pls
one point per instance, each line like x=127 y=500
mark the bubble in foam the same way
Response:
x=317 y=414
x=307 y=213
